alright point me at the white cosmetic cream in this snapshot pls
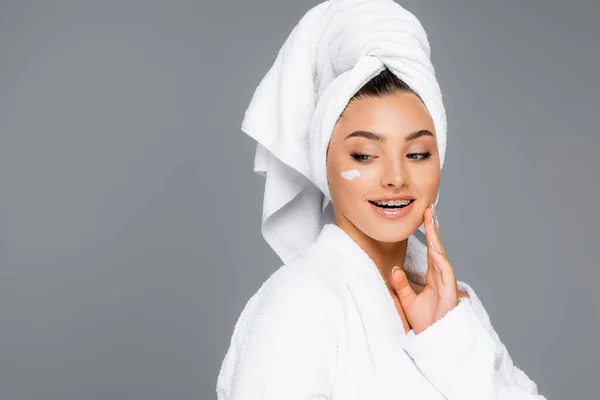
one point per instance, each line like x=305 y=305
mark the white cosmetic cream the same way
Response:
x=350 y=174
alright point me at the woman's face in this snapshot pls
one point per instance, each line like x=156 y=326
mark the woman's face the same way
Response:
x=393 y=165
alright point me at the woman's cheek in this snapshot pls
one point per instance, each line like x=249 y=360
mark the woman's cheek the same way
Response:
x=350 y=174
x=431 y=179
x=362 y=178
x=351 y=182
x=429 y=184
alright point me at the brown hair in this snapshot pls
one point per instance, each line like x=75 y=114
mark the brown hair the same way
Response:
x=383 y=84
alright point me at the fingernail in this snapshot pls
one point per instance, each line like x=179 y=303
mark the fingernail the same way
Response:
x=394 y=269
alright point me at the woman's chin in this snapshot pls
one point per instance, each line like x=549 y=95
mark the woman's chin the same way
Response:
x=391 y=238
x=388 y=235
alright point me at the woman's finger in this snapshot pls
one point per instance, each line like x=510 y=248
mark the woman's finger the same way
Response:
x=441 y=265
x=446 y=268
x=433 y=275
x=448 y=287
x=406 y=294
x=435 y=231
x=432 y=242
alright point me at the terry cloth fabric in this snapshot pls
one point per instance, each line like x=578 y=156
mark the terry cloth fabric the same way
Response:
x=325 y=327
x=336 y=48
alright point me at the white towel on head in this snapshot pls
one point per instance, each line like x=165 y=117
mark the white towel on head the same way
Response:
x=337 y=47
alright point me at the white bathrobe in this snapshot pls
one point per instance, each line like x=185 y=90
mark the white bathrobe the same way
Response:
x=325 y=327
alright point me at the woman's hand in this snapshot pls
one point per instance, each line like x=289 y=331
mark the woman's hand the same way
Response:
x=440 y=293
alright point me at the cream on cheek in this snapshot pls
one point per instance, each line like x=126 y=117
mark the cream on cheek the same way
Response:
x=350 y=174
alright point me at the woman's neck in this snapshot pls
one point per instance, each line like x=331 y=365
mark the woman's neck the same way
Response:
x=385 y=255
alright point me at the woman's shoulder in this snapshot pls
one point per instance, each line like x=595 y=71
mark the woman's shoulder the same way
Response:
x=301 y=290
x=288 y=326
x=303 y=285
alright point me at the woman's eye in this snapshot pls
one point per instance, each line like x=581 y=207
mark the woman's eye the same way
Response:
x=360 y=157
x=365 y=158
x=424 y=156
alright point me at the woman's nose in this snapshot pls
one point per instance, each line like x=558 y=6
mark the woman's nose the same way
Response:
x=394 y=175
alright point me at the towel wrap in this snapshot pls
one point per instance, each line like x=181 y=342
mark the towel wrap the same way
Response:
x=335 y=49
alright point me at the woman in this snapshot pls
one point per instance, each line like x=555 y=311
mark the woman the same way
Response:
x=398 y=163
x=338 y=320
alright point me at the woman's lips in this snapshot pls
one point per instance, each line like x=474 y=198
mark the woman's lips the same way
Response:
x=392 y=213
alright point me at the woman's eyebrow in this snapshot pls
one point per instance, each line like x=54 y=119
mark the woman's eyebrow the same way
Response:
x=380 y=138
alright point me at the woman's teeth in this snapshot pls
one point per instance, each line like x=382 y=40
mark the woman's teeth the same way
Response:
x=392 y=204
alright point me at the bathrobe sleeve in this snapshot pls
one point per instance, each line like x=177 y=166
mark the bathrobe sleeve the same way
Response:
x=284 y=345
x=465 y=359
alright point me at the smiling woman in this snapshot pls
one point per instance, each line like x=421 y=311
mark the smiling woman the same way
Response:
x=394 y=151
x=388 y=135
x=351 y=148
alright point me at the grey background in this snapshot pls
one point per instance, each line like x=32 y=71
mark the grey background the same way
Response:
x=130 y=215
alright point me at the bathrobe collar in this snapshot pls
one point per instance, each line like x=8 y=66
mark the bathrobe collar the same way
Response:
x=335 y=242
x=370 y=293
